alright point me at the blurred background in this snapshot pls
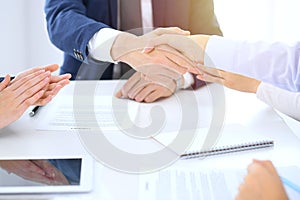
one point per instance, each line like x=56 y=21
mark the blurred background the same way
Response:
x=24 y=40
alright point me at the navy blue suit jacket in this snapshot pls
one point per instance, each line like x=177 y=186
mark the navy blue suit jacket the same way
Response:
x=72 y=23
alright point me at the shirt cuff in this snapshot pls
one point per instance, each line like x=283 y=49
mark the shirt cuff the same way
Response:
x=101 y=43
x=262 y=90
x=188 y=80
x=220 y=53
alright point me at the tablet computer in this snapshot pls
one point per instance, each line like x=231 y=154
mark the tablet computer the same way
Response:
x=46 y=176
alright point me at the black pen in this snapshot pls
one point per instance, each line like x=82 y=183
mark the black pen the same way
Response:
x=34 y=111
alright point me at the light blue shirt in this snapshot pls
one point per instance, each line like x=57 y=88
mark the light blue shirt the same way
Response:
x=275 y=63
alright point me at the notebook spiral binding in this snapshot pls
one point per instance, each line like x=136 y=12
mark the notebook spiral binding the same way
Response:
x=228 y=149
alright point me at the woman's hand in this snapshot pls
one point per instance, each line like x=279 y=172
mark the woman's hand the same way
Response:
x=228 y=79
x=261 y=183
x=35 y=86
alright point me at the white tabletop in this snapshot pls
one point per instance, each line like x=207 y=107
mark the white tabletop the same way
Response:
x=22 y=140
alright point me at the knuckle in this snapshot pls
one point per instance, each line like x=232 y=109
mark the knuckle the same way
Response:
x=28 y=92
x=28 y=102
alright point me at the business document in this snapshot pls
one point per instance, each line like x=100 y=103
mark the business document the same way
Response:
x=204 y=184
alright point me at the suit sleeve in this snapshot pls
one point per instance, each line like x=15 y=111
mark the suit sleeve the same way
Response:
x=68 y=26
x=285 y=101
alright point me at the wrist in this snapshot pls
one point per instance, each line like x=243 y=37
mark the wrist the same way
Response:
x=255 y=86
x=202 y=41
x=122 y=45
x=100 y=44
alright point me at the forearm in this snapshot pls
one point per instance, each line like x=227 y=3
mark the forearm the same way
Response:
x=275 y=63
x=68 y=26
x=285 y=101
x=202 y=41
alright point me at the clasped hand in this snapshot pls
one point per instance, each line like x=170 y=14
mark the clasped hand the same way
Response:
x=35 y=86
x=40 y=171
x=174 y=50
x=159 y=60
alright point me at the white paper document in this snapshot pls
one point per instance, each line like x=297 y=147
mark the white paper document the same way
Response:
x=203 y=184
x=64 y=116
x=109 y=113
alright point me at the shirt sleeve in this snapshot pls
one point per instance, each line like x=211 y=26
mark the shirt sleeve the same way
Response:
x=101 y=43
x=285 y=101
x=275 y=63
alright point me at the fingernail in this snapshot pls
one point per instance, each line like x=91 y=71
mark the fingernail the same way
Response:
x=147 y=49
x=41 y=92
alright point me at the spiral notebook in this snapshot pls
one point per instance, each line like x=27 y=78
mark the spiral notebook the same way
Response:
x=233 y=138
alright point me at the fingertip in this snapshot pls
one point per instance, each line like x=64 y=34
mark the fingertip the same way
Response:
x=118 y=94
x=68 y=76
x=41 y=93
x=51 y=67
x=138 y=99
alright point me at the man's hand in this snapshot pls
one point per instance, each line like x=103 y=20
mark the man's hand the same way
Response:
x=261 y=183
x=191 y=47
x=40 y=171
x=161 y=68
x=142 y=88
x=228 y=79
x=127 y=45
x=127 y=42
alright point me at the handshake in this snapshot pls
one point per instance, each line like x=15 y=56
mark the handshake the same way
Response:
x=162 y=58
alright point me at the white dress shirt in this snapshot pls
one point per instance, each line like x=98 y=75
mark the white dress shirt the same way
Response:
x=276 y=63
x=101 y=43
x=285 y=101
x=104 y=39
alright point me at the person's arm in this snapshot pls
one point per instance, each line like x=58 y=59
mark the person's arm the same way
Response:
x=69 y=27
x=275 y=63
x=75 y=33
x=284 y=101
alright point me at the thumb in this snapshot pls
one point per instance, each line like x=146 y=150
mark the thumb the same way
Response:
x=182 y=44
x=51 y=68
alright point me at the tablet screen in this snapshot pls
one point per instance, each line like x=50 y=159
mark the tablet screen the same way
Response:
x=49 y=175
